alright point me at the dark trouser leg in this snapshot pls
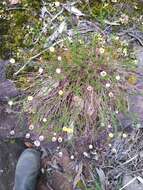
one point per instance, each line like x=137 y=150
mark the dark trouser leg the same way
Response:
x=27 y=170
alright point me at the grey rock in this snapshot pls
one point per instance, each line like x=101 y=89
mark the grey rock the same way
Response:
x=7 y=90
x=9 y=154
x=12 y=121
x=2 y=70
x=135 y=185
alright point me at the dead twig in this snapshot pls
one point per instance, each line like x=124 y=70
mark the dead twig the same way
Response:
x=35 y=56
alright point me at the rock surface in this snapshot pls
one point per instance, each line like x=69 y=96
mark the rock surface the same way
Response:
x=10 y=119
x=136 y=101
x=9 y=153
x=135 y=185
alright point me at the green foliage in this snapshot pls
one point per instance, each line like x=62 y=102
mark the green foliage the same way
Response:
x=82 y=64
x=14 y=24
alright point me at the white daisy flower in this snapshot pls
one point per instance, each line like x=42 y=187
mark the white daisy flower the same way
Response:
x=101 y=50
x=118 y=77
x=111 y=135
x=124 y=135
x=41 y=138
x=30 y=98
x=124 y=19
x=89 y=88
x=59 y=58
x=102 y=124
x=60 y=139
x=58 y=70
x=31 y=127
x=27 y=136
x=12 y=60
x=52 y=49
x=114 y=150
x=90 y=146
x=60 y=154
x=109 y=126
x=111 y=94
x=135 y=61
x=85 y=154
x=57 y=3
x=44 y=120
x=61 y=92
x=10 y=102
x=108 y=85
x=54 y=139
x=103 y=73
x=12 y=132
x=40 y=70
x=116 y=111
x=72 y=157
x=110 y=145
x=37 y=143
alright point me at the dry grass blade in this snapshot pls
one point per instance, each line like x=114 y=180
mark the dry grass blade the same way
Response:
x=73 y=10
x=78 y=175
x=130 y=182
x=101 y=177
x=56 y=34
x=14 y=2
x=140 y=179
